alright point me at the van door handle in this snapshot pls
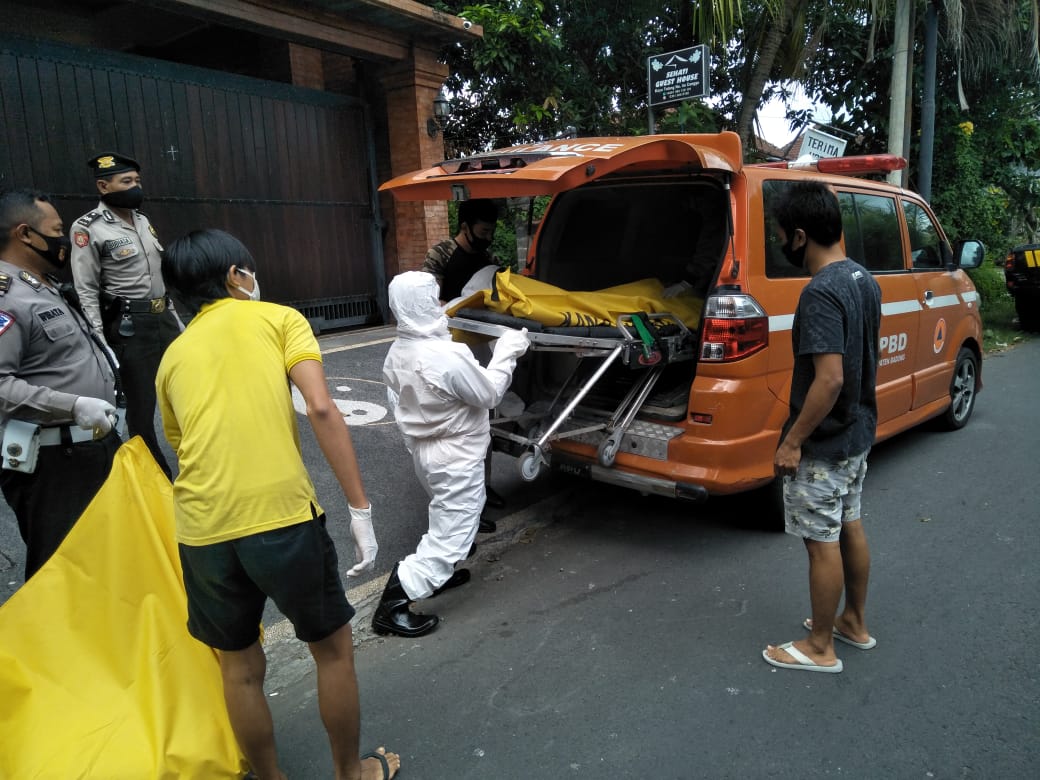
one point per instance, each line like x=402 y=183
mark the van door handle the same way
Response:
x=928 y=295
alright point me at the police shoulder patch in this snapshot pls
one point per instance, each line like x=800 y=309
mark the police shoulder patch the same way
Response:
x=81 y=238
x=30 y=280
x=6 y=320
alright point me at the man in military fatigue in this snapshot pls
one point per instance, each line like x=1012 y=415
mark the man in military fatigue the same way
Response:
x=116 y=269
x=452 y=262
x=54 y=373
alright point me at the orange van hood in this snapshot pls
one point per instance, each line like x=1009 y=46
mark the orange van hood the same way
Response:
x=550 y=167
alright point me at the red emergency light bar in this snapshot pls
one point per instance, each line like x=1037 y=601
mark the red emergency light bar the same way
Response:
x=854 y=164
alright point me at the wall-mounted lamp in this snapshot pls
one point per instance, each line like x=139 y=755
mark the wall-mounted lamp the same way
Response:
x=441 y=111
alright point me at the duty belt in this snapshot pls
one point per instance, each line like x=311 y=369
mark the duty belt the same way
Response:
x=146 y=306
x=51 y=436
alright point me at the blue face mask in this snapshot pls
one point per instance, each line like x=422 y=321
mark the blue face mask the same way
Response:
x=254 y=294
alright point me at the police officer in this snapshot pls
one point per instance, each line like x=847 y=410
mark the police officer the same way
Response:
x=54 y=373
x=116 y=270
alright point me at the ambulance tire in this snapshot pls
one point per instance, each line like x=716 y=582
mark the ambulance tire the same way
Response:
x=963 y=387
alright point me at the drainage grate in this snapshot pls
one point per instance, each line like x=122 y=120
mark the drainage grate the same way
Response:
x=343 y=312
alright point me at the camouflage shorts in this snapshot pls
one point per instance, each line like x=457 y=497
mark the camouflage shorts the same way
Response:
x=822 y=496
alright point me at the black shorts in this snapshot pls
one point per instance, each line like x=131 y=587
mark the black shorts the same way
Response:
x=228 y=584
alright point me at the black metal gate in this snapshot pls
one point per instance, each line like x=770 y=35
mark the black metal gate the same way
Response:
x=286 y=170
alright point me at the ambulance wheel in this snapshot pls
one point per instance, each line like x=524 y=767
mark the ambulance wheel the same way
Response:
x=608 y=450
x=963 y=387
x=530 y=465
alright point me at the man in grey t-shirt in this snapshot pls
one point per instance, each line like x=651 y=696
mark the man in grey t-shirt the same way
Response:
x=823 y=449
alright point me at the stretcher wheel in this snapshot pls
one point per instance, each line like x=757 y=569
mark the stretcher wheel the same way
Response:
x=530 y=465
x=608 y=449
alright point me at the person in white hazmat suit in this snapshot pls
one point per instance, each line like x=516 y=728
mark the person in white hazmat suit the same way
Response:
x=441 y=396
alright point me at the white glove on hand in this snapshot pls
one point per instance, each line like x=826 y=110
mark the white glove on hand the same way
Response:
x=512 y=344
x=677 y=289
x=93 y=413
x=365 y=545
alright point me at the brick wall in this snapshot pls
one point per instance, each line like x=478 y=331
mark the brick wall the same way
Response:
x=409 y=90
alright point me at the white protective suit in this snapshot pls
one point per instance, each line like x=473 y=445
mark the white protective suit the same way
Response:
x=441 y=396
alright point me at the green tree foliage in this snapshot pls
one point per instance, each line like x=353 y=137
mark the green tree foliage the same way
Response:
x=546 y=68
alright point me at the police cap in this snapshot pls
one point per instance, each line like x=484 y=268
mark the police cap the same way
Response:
x=109 y=163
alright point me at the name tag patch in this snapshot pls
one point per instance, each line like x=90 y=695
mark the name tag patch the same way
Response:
x=50 y=314
x=114 y=243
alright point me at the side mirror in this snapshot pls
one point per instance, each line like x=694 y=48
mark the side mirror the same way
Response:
x=969 y=254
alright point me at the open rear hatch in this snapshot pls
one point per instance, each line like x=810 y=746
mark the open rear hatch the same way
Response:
x=557 y=166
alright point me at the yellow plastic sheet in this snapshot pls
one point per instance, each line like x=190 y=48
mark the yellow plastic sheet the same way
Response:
x=99 y=677
x=522 y=296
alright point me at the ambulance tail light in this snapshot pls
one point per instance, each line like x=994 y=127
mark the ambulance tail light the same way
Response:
x=735 y=327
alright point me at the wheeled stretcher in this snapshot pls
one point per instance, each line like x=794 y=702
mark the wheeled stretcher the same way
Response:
x=643 y=343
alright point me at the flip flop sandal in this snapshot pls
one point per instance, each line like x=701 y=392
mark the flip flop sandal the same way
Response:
x=382 y=760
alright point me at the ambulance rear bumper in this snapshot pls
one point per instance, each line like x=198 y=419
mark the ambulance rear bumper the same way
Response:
x=568 y=464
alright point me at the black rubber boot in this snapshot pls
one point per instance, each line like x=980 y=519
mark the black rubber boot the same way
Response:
x=392 y=616
x=458 y=577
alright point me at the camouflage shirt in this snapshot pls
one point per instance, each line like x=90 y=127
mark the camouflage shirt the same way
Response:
x=464 y=266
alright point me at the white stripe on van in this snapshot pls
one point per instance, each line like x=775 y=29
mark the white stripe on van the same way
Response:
x=970 y=297
x=900 y=307
x=943 y=301
x=782 y=322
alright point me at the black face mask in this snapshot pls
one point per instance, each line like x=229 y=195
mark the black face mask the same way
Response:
x=478 y=244
x=124 y=199
x=57 y=251
x=795 y=257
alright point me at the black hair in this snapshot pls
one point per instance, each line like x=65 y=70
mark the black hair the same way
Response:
x=479 y=210
x=195 y=266
x=19 y=207
x=813 y=207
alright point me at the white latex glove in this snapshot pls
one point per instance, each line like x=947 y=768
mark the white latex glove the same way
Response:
x=93 y=413
x=512 y=344
x=677 y=289
x=365 y=545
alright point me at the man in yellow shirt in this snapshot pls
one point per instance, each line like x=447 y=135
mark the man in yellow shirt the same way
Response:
x=249 y=525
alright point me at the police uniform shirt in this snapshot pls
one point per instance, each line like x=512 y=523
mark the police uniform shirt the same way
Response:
x=109 y=255
x=47 y=356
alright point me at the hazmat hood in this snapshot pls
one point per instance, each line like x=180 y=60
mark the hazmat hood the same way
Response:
x=550 y=167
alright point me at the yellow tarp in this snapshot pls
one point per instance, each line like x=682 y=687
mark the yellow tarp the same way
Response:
x=99 y=677
x=522 y=296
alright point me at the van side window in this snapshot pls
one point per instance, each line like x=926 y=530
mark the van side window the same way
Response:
x=925 y=244
x=872 y=232
x=777 y=266
x=870 y=223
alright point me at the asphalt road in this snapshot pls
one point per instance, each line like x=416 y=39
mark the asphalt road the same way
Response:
x=610 y=635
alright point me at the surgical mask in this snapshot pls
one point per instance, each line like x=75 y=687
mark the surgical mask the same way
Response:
x=795 y=257
x=255 y=294
x=57 y=251
x=124 y=199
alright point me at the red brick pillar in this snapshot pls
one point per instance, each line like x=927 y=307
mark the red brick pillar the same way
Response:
x=410 y=91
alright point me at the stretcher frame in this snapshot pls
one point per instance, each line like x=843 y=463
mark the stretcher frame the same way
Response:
x=643 y=349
